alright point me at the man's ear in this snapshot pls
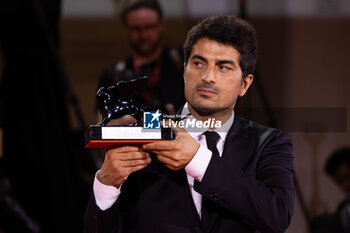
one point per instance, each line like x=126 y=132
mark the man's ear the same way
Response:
x=247 y=81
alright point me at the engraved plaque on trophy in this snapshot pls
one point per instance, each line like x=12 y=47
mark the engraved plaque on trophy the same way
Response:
x=115 y=102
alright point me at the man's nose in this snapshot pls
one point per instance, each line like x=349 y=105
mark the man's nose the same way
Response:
x=209 y=75
x=143 y=33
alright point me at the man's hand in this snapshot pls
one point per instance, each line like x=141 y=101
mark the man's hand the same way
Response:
x=120 y=162
x=175 y=154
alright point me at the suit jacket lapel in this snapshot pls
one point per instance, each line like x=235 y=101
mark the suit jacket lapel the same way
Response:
x=240 y=145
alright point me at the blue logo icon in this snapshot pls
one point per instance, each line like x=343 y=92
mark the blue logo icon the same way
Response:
x=151 y=120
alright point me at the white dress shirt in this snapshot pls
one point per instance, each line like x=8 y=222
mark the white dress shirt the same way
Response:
x=105 y=195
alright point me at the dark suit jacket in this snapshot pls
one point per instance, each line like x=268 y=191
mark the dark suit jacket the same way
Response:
x=251 y=187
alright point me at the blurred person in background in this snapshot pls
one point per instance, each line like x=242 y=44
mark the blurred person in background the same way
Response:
x=144 y=26
x=338 y=168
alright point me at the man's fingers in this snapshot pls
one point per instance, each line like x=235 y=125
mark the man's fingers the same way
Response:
x=168 y=154
x=158 y=146
x=135 y=163
x=136 y=168
x=174 y=125
x=176 y=128
x=167 y=162
x=124 y=149
x=130 y=154
x=134 y=156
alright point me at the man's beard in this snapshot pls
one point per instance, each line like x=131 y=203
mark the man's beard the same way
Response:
x=205 y=110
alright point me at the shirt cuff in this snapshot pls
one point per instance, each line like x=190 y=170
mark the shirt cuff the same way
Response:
x=105 y=195
x=199 y=163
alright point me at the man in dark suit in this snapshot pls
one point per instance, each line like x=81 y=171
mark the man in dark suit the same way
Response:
x=233 y=178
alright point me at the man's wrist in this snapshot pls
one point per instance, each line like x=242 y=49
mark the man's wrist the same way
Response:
x=199 y=163
x=105 y=195
x=99 y=177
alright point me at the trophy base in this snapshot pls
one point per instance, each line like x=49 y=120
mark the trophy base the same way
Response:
x=111 y=136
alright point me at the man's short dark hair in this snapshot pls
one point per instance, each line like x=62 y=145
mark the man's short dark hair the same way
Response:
x=336 y=159
x=227 y=30
x=129 y=5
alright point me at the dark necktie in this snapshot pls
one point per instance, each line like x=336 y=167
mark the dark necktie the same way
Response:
x=211 y=138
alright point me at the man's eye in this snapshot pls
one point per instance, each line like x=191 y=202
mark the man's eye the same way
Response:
x=198 y=64
x=224 y=68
